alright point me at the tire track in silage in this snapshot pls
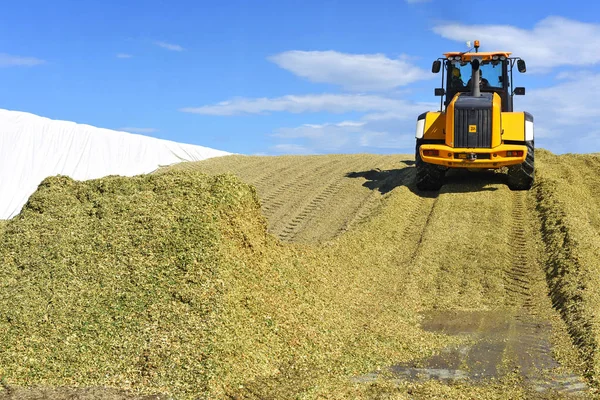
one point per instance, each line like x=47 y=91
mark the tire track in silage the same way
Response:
x=294 y=183
x=321 y=197
x=265 y=181
x=370 y=203
x=529 y=341
x=517 y=277
x=284 y=207
x=308 y=212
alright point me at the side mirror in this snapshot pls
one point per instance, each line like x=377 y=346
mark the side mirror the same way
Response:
x=521 y=66
x=439 y=91
x=520 y=91
x=435 y=68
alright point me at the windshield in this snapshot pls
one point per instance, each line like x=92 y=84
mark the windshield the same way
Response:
x=491 y=74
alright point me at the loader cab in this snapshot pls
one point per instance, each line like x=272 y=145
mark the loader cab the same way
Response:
x=495 y=72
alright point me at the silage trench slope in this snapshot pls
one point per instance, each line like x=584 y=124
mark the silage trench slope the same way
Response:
x=568 y=203
x=116 y=281
x=454 y=251
x=170 y=284
x=308 y=199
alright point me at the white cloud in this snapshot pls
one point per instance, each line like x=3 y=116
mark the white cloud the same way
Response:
x=566 y=114
x=357 y=72
x=169 y=46
x=388 y=123
x=573 y=75
x=574 y=101
x=353 y=136
x=554 y=41
x=138 y=130
x=388 y=140
x=7 y=60
x=289 y=148
x=317 y=131
x=334 y=103
x=124 y=55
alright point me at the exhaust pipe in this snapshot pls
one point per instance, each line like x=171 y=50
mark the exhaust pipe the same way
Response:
x=475 y=89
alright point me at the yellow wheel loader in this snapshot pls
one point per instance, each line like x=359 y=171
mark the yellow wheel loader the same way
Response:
x=476 y=127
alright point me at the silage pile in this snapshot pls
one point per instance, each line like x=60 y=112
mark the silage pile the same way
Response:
x=568 y=203
x=170 y=284
x=115 y=282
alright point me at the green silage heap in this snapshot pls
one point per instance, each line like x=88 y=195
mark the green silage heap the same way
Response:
x=116 y=281
x=170 y=284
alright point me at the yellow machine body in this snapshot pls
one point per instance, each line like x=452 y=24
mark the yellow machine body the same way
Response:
x=506 y=127
x=476 y=126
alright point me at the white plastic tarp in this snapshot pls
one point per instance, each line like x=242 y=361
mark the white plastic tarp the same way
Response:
x=33 y=148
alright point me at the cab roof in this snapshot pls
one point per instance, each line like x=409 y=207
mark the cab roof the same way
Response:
x=485 y=56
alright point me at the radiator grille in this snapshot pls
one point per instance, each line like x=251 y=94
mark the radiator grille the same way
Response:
x=473 y=127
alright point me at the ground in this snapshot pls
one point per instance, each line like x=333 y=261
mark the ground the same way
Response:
x=370 y=288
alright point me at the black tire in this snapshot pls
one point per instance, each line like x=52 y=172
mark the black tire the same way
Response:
x=429 y=176
x=522 y=176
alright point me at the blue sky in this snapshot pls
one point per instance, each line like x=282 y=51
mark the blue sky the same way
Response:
x=291 y=77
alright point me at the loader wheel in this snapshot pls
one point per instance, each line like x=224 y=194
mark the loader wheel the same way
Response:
x=521 y=177
x=429 y=176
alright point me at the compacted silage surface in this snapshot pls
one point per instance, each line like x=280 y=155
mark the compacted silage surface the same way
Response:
x=170 y=283
x=98 y=278
x=568 y=203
